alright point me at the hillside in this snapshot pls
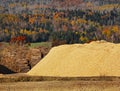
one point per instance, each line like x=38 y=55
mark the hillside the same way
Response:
x=74 y=4
x=18 y=6
x=75 y=25
x=66 y=3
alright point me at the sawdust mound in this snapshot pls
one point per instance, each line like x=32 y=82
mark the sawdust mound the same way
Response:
x=98 y=58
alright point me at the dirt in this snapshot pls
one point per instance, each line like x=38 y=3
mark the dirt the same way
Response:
x=58 y=83
x=61 y=86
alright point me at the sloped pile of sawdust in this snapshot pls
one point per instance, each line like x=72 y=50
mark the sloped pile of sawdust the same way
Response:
x=98 y=58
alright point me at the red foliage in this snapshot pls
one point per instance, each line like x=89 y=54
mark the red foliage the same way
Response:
x=19 y=40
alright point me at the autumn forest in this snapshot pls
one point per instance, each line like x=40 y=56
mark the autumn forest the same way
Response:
x=71 y=25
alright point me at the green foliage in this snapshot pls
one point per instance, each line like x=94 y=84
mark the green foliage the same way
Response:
x=41 y=44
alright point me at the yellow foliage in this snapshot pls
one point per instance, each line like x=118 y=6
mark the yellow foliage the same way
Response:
x=28 y=32
x=73 y=22
x=22 y=31
x=13 y=33
x=65 y=19
x=84 y=39
x=6 y=31
x=25 y=31
x=81 y=21
x=23 y=5
x=107 y=7
x=115 y=28
x=76 y=32
x=34 y=32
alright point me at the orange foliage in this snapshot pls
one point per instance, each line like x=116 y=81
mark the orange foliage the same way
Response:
x=56 y=15
x=106 y=31
x=32 y=20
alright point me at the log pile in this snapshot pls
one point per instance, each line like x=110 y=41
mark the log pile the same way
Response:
x=21 y=58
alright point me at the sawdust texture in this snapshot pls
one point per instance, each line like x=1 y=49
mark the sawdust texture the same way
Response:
x=98 y=58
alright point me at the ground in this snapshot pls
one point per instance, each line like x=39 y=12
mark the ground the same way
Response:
x=24 y=82
x=61 y=86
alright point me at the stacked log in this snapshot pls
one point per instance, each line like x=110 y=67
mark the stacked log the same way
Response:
x=21 y=58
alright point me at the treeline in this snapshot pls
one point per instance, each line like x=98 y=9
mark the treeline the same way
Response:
x=74 y=26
